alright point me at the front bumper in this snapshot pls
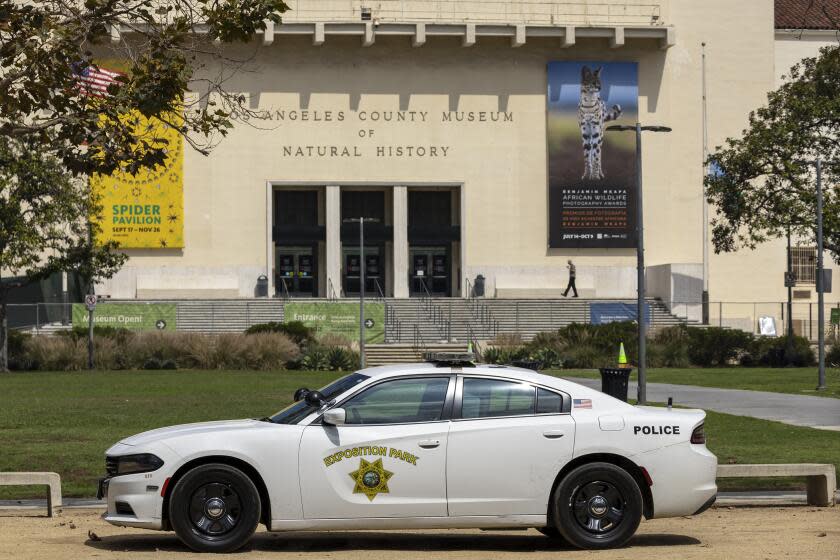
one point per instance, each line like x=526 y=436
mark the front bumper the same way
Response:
x=135 y=500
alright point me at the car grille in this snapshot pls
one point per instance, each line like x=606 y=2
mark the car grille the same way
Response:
x=111 y=466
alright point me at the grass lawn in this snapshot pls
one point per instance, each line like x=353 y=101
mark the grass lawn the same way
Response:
x=64 y=421
x=798 y=381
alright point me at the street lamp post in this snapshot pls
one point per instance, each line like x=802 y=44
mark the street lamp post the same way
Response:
x=640 y=253
x=817 y=163
x=820 y=282
x=361 y=221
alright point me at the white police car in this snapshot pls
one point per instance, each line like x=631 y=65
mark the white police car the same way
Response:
x=446 y=444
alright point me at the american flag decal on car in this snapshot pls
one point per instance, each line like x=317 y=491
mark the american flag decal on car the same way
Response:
x=582 y=403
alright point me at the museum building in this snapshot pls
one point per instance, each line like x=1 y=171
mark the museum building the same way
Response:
x=466 y=136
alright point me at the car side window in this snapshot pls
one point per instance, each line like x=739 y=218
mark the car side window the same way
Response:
x=487 y=398
x=399 y=401
x=548 y=402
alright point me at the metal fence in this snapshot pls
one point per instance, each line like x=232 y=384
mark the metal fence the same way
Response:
x=746 y=316
x=238 y=315
x=535 y=12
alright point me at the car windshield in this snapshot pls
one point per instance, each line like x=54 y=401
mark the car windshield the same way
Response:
x=296 y=412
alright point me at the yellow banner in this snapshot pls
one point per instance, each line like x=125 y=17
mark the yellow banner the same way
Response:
x=146 y=210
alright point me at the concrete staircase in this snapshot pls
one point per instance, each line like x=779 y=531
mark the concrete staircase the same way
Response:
x=221 y=315
x=483 y=319
x=417 y=321
x=385 y=354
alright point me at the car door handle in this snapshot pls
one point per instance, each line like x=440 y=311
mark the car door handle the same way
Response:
x=429 y=443
x=553 y=434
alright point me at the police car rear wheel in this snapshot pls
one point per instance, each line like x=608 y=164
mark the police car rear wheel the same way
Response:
x=214 y=508
x=597 y=505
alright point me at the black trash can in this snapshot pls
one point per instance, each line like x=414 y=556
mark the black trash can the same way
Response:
x=527 y=364
x=614 y=382
x=262 y=285
x=478 y=287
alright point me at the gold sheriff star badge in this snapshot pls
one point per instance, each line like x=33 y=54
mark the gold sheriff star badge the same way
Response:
x=371 y=479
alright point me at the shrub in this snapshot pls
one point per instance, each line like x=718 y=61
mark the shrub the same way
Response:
x=715 y=346
x=16 y=343
x=546 y=357
x=297 y=331
x=832 y=356
x=55 y=352
x=773 y=352
x=267 y=351
x=586 y=356
x=342 y=359
x=504 y=354
x=120 y=334
x=315 y=358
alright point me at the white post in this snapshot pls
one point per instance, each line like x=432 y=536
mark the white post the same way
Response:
x=400 y=225
x=333 y=225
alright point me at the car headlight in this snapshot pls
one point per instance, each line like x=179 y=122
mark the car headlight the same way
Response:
x=133 y=464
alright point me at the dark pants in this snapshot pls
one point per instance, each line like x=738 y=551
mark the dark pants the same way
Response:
x=571 y=286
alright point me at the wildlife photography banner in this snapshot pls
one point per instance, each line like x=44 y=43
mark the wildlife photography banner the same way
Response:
x=591 y=172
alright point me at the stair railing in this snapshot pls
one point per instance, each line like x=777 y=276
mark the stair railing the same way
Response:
x=434 y=313
x=480 y=312
x=284 y=290
x=473 y=341
x=418 y=344
x=379 y=295
x=393 y=326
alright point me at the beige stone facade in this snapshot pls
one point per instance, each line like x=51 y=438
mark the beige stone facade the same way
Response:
x=451 y=97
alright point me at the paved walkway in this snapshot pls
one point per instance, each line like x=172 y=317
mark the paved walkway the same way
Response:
x=799 y=410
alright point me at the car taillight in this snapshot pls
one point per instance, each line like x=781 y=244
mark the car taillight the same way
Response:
x=698 y=435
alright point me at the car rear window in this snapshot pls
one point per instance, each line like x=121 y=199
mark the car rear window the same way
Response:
x=488 y=398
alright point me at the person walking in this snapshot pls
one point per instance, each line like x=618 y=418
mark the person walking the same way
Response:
x=572 y=274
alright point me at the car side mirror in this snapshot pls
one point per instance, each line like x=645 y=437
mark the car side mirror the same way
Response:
x=301 y=393
x=335 y=417
x=315 y=399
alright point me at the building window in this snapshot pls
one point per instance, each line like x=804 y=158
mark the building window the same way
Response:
x=804 y=264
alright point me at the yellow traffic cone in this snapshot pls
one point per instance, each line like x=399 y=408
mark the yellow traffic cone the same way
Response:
x=622 y=357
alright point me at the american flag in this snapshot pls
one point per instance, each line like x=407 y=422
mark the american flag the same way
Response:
x=582 y=403
x=94 y=80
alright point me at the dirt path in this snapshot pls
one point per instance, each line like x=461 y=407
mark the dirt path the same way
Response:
x=721 y=533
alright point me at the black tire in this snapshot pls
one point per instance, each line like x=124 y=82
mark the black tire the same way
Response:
x=597 y=505
x=214 y=508
x=552 y=533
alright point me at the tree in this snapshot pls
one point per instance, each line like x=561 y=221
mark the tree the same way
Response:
x=763 y=182
x=43 y=220
x=55 y=133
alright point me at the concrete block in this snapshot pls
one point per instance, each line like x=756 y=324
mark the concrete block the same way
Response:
x=50 y=479
x=821 y=478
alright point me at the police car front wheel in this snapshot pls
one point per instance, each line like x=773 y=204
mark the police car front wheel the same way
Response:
x=597 y=505
x=214 y=508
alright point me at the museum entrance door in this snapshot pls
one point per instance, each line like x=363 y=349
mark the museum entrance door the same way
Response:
x=429 y=271
x=296 y=268
x=374 y=271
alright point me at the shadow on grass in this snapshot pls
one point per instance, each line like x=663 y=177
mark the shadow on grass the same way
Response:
x=374 y=541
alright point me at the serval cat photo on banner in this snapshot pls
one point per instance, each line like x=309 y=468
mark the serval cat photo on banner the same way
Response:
x=592 y=115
